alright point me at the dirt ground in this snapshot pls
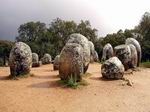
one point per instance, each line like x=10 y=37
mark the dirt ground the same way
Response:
x=43 y=93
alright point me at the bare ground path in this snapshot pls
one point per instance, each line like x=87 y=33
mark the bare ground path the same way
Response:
x=43 y=93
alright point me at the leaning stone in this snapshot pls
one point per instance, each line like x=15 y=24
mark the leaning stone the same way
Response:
x=83 y=41
x=20 y=59
x=46 y=59
x=138 y=48
x=71 y=62
x=107 y=52
x=35 y=60
x=134 y=56
x=123 y=52
x=112 y=69
x=56 y=63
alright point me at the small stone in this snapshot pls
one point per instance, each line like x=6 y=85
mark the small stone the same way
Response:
x=35 y=60
x=46 y=59
x=129 y=83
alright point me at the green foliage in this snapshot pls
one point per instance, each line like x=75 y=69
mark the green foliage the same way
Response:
x=52 y=39
x=144 y=29
x=70 y=82
x=117 y=38
x=145 y=64
x=5 y=48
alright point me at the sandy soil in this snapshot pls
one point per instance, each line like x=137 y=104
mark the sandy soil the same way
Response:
x=43 y=93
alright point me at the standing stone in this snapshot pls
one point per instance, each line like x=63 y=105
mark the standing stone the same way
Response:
x=92 y=48
x=71 y=61
x=46 y=59
x=138 y=48
x=35 y=60
x=92 y=51
x=20 y=59
x=134 y=56
x=83 y=41
x=112 y=69
x=56 y=63
x=96 y=58
x=107 y=52
x=123 y=52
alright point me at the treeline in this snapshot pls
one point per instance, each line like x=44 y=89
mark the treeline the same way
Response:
x=51 y=39
x=5 y=47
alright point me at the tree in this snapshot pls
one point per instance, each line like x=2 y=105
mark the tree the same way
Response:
x=30 y=31
x=51 y=40
x=61 y=30
x=85 y=29
x=144 y=29
x=5 y=48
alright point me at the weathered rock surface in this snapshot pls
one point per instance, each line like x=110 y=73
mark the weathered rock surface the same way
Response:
x=123 y=52
x=56 y=63
x=46 y=59
x=35 y=60
x=138 y=48
x=71 y=61
x=92 y=48
x=95 y=57
x=83 y=41
x=20 y=59
x=108 y=52
x=134 y=56
x=112 y=68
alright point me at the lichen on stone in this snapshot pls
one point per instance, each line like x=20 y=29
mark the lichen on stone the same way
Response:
x=20 y=59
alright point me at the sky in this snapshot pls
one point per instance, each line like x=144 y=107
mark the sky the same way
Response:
x=108 y=16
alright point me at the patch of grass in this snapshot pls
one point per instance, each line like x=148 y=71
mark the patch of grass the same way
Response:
x=72 y=83
x=145 y=64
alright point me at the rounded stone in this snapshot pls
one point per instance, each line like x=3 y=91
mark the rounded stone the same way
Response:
x=112 y=69
x=20 y=59
x=71 y=62
x=107 y=52
x=46 y=59
x=138 y=48
x=83 y=41
x=56 y=63
x=123 y=52
x=35 y=60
